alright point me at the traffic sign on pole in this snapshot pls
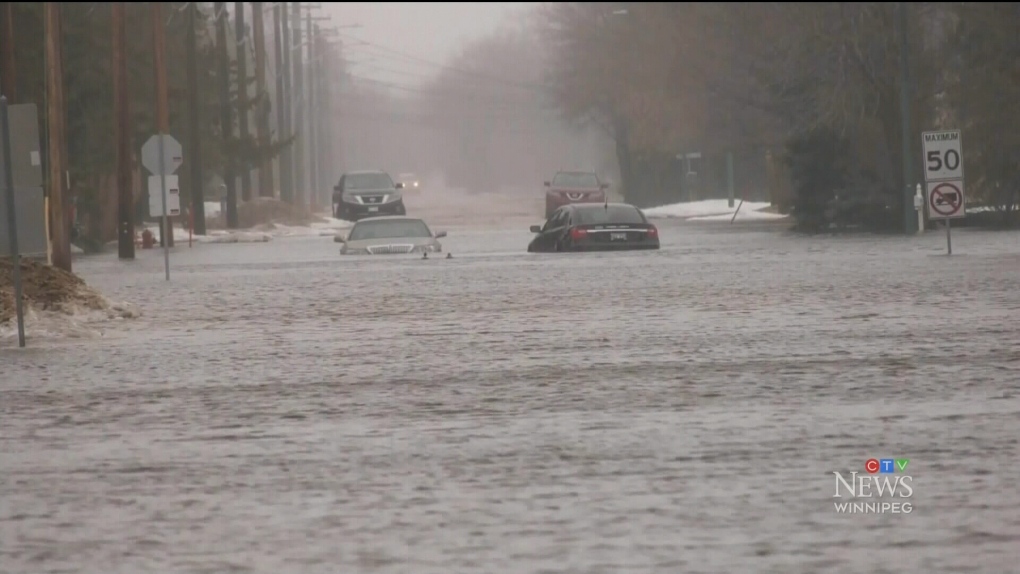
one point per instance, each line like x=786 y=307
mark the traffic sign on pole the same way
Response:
x=943 y=155
x=173 y=196
x=171 y=152
x=943 y=172
x=946 y=200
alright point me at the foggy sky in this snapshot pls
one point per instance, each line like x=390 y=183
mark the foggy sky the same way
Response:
x=431 y=31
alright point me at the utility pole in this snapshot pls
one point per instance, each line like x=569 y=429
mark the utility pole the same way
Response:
x=313 y=165
x=122 y=135
x=241 y=49
x=325 y=79
x=262 y=109
x=194 y=123
x=162 y=105
x=226 y=115
x=281 y=44
x=298 y=101
x=322 y=101
x=55 y=123
x=9 y=85
x=906 y=94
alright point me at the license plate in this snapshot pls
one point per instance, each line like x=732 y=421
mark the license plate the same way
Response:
x=617 y=236
x=373 y=209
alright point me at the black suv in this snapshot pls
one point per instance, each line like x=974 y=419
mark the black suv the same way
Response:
x=363 y=194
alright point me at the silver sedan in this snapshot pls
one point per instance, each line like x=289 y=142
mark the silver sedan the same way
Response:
x=390 y=235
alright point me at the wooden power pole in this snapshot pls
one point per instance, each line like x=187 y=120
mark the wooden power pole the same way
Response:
x=59 y=231
x=194 y=123
x=262 y=109
x=162 y=105
x=122 y=136
x=282 y=103
x=9 y=74
x=226 y=114
x=313 y=166
x=241 y=49
x=287 y=103
x=299 y=103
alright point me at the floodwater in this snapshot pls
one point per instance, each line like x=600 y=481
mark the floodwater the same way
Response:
x=280 y=408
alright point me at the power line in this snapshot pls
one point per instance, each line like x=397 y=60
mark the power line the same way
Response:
x=491 y=78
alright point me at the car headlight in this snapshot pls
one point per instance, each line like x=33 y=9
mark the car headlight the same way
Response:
x=425 y=249
x=345 y=251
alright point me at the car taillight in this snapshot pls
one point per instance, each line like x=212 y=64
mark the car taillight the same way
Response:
x=576 y=233
x=653 y=232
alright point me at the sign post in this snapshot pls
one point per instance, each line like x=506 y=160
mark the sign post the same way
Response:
x=943 y=175
x=162 y=155
x=12 y=221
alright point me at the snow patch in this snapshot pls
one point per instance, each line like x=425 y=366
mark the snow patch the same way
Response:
x=714 y=210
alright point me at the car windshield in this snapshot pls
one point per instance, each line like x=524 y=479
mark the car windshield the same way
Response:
x=389 y=229
x=614 y=214
x=357 y=181
x=568 y=179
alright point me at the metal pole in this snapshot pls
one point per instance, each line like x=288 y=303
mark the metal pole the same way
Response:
x=7 y=47
x=732 y=219
x=905 y=114
x=12 y=221
x=949 y=237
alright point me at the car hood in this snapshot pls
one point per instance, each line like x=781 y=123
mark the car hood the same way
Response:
x=575 y=189
x=390 y=190
x=391 y=244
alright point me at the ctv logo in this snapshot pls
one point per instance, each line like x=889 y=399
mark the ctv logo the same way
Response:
x=881 y=489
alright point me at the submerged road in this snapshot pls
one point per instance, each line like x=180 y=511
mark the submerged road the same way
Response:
x=279 y=408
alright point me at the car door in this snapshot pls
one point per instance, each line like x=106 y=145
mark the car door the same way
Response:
x=553 y=229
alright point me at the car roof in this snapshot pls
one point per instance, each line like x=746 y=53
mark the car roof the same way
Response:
x=590 y=206
x=366 y=172
x=390 y=218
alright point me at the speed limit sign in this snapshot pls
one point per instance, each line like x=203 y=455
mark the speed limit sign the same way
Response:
x=943 y=155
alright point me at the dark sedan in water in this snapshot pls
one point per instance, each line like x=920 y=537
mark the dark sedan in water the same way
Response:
x=595 y=227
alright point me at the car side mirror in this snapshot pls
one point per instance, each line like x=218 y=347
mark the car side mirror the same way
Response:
x=440 y=234
x=536 y=229
x=398 y=185
x=547 y=184
x=339 y=238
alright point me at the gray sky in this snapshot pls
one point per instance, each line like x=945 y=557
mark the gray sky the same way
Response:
x=430 y=31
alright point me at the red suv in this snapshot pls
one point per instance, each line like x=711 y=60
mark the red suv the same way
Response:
x=573 y=187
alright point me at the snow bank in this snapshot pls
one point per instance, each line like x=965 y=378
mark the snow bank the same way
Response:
x=258 y=234
x=714 y=210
